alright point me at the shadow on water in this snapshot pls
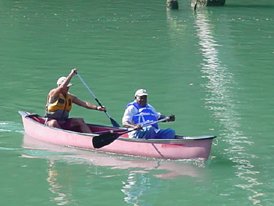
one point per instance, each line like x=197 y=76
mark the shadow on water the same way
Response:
x=221 y=102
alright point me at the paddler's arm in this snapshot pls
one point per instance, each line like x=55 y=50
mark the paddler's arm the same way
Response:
x=127 y=118
x=86 y=104
x=131 y=125
x=72 y=73
x=54 y=93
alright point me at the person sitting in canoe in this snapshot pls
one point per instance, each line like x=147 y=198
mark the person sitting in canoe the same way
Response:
x=59 y=104
x=139 y=115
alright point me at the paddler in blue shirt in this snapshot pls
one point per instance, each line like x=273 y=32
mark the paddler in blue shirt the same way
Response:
x=59 y=105
x=139 y=115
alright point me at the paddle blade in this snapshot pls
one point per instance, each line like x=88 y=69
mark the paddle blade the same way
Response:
x=114 y=123
x=104 y=139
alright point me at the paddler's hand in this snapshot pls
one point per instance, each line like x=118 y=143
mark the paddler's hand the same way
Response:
x=171 y=118
x=137 y=127
x=73 y=72
x=99 y=108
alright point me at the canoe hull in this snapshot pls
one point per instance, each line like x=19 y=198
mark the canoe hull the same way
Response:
x=164 y=149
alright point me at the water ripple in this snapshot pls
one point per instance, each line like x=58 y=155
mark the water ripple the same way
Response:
x=221 y=103
x=11 y=127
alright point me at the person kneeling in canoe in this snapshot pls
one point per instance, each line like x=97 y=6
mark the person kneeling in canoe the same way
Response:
x=139 y=115
x=59 y=104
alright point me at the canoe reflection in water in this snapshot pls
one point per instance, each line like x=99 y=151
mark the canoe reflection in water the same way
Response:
x=137 y=167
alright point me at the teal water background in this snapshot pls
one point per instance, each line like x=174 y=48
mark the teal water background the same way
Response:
x=212 y=68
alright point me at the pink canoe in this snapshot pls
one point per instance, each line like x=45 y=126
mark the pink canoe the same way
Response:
x=115 y=140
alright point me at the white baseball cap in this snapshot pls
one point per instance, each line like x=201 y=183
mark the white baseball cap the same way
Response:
x=61 y=80
x=141 y=92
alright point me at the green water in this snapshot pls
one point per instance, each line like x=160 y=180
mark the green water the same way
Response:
x=213 y=69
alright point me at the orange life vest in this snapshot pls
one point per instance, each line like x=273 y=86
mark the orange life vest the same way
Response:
x=60 y=108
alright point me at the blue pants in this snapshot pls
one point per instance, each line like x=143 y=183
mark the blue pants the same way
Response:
x=152 y=133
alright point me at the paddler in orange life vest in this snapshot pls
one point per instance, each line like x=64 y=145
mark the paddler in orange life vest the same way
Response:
x=59 y=104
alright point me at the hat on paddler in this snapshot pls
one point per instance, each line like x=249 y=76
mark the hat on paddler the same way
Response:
x=141 y=92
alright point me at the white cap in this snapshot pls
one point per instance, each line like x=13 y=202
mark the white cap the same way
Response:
x=141 y=92
x=61 y=80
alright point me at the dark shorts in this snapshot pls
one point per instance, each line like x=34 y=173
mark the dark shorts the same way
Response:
x=64 y=124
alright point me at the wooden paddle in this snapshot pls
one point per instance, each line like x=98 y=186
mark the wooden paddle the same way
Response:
x=108 y=137
x=113 y=122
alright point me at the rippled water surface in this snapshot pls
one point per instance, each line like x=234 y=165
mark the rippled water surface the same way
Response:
x=213 y=69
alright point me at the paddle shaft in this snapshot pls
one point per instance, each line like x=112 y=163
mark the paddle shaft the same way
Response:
x=114 y=123
x=130 y=129
x=151 y=123
x=107 y=138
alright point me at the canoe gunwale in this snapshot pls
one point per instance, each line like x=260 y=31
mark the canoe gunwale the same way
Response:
x=166 y=141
